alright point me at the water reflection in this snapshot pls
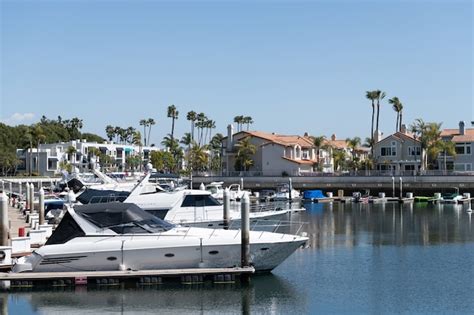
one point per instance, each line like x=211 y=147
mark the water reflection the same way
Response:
x=263 y=293
x=386 y=224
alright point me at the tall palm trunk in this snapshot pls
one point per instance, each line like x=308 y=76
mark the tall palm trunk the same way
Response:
x=192 y=130
x=372 y=130
x=149 y=133
x=400 y=127
x=172 y=128
x=378 y=115
x=144 y=135
x=396 y=125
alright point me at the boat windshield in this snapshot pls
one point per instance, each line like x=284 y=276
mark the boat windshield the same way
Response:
x=122 y=218
x=199 y=201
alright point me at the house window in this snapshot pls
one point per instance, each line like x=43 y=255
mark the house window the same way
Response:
x=305 y=155
x=412 y=151
x=463 y=148
x=52 y=164
x=388 y=151
x=463 y=167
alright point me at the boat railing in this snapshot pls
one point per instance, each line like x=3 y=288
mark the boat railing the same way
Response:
x=275 y=226
x=106 y=198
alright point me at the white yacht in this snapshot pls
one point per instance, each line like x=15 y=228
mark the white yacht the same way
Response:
x=283 y=193
x=121 y=236
x=217 y=191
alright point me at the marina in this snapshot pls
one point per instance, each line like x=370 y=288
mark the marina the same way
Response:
x=403 y=248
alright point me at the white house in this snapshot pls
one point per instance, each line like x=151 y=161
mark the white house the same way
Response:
x=50 y=155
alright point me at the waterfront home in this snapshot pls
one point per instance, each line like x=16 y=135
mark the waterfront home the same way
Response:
x=463 y=139
x=275 y=154
x=400 y=151
x=46 y=161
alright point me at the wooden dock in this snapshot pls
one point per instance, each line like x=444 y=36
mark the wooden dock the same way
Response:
x=194 y=275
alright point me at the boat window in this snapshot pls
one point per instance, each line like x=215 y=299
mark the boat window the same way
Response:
x=199 y=201
x=122 y=218
x=66 y=231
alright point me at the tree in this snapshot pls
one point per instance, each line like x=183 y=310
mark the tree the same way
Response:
x=339 y=157
x=71 y=152
x=110 y=132
x=162 y=160
x=201 y=121
x=192 y=117
x=198 y=159
x=245 y=151
x=418 y=129
x=318 y=142
x=397 y=107
x=173 y=114
x=186 y=139
x=150 y=123
x=39 y=137
x=379 y=96
x=247 y=120
x=448 y=148
x=353 y=144
x=371 y=96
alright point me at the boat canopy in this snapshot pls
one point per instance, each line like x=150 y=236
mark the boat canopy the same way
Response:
x=122 y=218
x=100 y=196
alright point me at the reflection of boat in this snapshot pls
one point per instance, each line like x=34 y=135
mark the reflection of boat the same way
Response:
x=283 y=193
x=120 y=236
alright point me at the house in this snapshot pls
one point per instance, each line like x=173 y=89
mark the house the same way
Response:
x=275 y=155
x=463 y=139
x=400 y=151
x=360 y=153
x=46 y=161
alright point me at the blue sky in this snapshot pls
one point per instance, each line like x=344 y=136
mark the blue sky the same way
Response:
x=293 y=66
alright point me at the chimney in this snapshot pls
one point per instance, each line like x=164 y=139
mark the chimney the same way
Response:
x=230 y=137
x=462 y=129
x=333 y=137
x=306 y=134
x=403 y=129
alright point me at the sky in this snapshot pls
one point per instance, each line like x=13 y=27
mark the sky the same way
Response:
x=293 y=66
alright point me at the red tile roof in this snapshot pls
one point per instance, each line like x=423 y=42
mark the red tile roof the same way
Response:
x=306 y=162
x=467 y=137
x=302 y=141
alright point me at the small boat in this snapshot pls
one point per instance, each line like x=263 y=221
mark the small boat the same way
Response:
x=216 y=189
x=454 y=197
x=283 y=193
x=266 y=195
x=316 y=196
x=121 y=236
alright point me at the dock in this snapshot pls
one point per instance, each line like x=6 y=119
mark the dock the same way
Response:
x=77 y=278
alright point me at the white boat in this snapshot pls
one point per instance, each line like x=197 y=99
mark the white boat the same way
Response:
x=217 y=191
x=121 y=236
x=283 y=193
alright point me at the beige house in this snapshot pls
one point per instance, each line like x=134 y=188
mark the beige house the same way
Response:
x=398 y=152
x=463 y=139
x=276 y=155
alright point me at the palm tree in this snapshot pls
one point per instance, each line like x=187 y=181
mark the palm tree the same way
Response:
x=418 y=129
x=239 y=120
x=173 y=114
x=110 y=132
x=339 y=157
x=318 y=142
x=371 y=96
x=39 y=136
x=150 y=122
x=71 y=152
x=144 y=123
x=379 y=96
x=247 y=120
x=245 y=151
x=201 y=119
x=397 y=107
x=192 y=116
x=401 y=117
x=448 y=148
x=353 y=144
x=136 y=138
x=187 y=139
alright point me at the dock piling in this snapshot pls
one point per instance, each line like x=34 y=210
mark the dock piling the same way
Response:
x=226 y=208
x=27 y=199
x=4 y=227
x=290 y=188
x=401 y=188
x=245 y=230
x=32 y=197
x=41 y=206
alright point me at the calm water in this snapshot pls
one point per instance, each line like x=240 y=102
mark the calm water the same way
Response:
x=415 y=259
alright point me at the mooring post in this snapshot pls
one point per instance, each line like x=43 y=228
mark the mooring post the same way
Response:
x=3 y=219
x=226 y=208
x=242 y=183
x=32 y=197
x=20 y=197
x=393 y=187
x=401 y=188
x=290 y=188
x=41 y=206
x=3 y=185
x=245 y=229
x=10 y=188
x=27 y=196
